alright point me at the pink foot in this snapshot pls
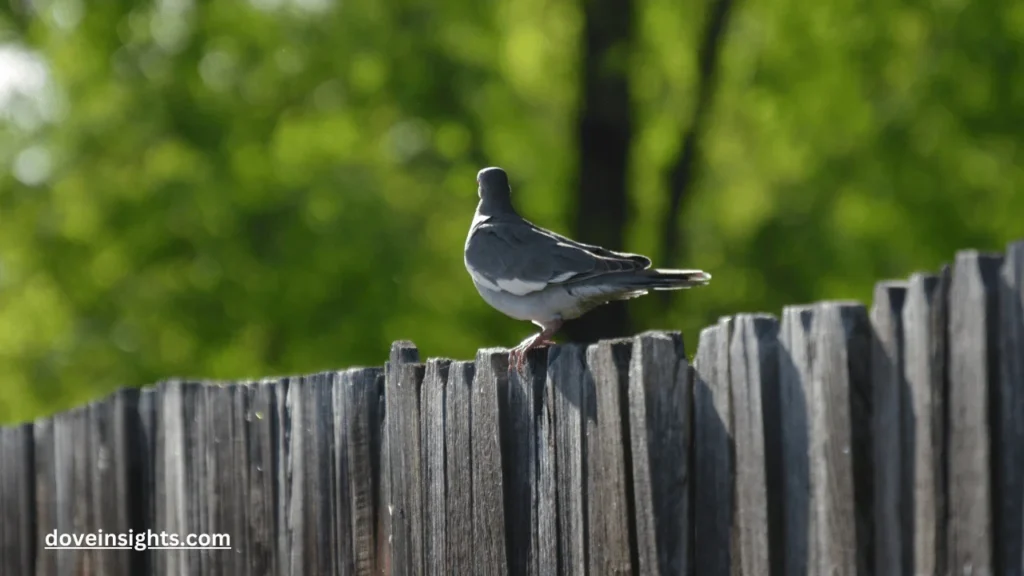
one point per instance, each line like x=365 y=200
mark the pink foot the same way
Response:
x=517 y=355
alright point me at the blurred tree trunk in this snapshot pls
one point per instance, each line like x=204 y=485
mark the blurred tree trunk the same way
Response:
x=684 y=171
x=605 y=129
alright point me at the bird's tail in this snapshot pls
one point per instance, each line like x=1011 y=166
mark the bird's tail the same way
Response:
x=666 y=279
x=632 y=284
x=627 y=285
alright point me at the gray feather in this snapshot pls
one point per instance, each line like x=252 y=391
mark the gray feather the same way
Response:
x=530 y=273
x=510 y=250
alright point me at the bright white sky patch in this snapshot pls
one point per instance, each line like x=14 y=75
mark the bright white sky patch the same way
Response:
x=27 y=96
x=21 y=73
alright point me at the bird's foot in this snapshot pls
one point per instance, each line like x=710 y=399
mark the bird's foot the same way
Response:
x=517 y=355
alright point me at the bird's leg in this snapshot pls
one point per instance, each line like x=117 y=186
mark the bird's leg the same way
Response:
x=517 y=356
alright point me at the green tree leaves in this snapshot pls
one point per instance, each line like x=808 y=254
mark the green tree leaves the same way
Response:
x=237 y=189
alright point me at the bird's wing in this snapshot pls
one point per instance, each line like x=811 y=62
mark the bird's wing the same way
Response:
x=519 y=258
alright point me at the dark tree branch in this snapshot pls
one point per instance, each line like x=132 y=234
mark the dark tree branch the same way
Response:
x=605 y=129
x=684 y=172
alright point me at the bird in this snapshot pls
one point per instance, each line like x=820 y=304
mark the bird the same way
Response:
x=532 y=274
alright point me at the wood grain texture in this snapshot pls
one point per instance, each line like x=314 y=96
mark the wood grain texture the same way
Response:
x=17 y=500
x=714 y=454
x=432 y=426
x=223 y=477
x=357 y=397
x=178 y=504
x=973 y=381
x=402 y=352
x=145 y=475
x=403 y=394
x=892 y=501
x=548 y=559
x=255 y=412
x=659 y=440
x=72 y=469
x=795 y=374
x=520 y=409
x=925 y=358
x=337 y=445
x=121 y=458
x=489 y=541
x=45 y=492
x=753 y=364
x=309 y=496
x=611 y=531
x=459 y=468
x=1009 y=423
x=840 y=416
x=566 y=379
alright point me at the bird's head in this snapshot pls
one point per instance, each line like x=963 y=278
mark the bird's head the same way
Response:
x=492 y=184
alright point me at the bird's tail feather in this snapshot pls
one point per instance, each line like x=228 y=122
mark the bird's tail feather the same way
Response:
x=632 y=284
x=666 y=279
x=635 y=283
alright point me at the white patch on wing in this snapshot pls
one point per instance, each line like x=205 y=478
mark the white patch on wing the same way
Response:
x=562 y=277
x=520 y=287
x=481 y=279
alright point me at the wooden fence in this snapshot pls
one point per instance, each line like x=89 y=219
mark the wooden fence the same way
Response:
x=840 y=440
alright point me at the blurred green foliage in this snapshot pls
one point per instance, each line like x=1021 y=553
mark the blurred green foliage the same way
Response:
x=236 y=189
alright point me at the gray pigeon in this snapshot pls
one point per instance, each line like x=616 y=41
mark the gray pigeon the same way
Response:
x=529 y=273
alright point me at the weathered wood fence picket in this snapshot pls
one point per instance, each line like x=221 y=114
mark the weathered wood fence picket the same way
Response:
x=840 y=440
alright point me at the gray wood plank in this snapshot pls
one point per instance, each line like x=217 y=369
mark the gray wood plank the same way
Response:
x=891 y=498
x=753 y=365
x=146 y=443
x=340 y=412
x=309 y=494
x=773 y=457
x=406 y=470
x=1009 y=426
x=180 y=501
x=223 y=480
x=358 y=395
x=925 y=357
x=197 y=499
x=73 y=463
x=168 y=471
x=235 y=507
x=396 y=541
x=459 y=468
x=566 y=375
x=795 y=429
x=432 y=401
x=840 y=464
x=282 y=474
x=713 y=502
x=490 y=384
x=519 y=408
x=659 y=438
x=45 y=488
x=118 y=498
x=973 y=380
x=256 y=405
x=17 y=500
x=611 y=531
x=548 y=559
